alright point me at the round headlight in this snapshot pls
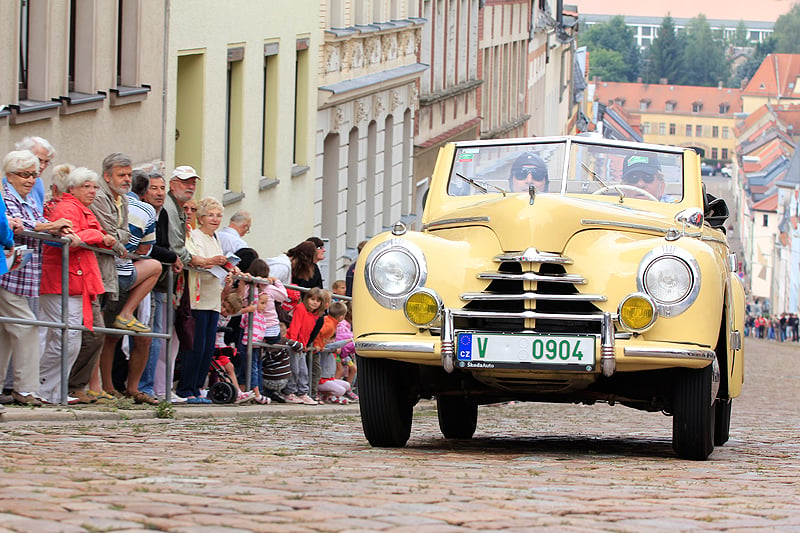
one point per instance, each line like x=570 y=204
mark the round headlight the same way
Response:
x=393 y=270
x=394 y=273
x=668 y=279
x=637 y=312
x=422 y=307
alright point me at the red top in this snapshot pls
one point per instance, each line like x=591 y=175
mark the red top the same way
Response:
x=84 y=273
x=303 y=322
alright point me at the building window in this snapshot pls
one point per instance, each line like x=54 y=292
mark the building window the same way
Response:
x=662 y=128
x=301 y=92
x=82 y=47
x=270 y=103
x=672 y=129
x=643 y=105
x=698 y=131
x=725 y=132
x=33 y=51
x=688 y=130
x=715 y=131
x=128 y=24
x=645 y=128
x=765 y=220
x=725 y=153
x=697 y=107
x=670 y=107
x=714 y=153
x=724 y=108
x=234 y=116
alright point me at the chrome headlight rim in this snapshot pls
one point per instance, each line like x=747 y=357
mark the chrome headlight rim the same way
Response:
x=643 y=295
x=409 y=249
x=668 y=309
x=436 y=298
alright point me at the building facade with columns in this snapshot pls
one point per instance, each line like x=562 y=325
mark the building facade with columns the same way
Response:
x=366 y=101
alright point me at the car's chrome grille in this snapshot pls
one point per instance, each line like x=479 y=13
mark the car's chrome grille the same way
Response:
x=530 y=291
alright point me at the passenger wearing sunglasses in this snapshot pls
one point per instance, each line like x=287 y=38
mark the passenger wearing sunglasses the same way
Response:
x=528 y=169
x=644 y=172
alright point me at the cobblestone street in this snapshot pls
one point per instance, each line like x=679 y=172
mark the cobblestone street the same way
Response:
x=530 y=467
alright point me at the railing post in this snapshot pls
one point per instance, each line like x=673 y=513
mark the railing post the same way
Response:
x=168 y=326
x=251 y=297
x=65 y=320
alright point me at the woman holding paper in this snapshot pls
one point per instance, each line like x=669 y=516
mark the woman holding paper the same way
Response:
x=205 y=295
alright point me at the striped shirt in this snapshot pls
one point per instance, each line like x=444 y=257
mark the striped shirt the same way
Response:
x=24 y=281
x=141 y=223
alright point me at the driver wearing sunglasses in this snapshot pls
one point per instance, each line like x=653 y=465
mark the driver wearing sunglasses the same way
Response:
x=528 y=169
x=644 y=172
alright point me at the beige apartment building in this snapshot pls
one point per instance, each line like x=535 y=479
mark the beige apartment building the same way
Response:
x=240 y=108
x=87 y=75
x=366 y=102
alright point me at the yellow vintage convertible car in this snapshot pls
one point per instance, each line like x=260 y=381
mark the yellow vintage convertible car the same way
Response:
x=560 y=269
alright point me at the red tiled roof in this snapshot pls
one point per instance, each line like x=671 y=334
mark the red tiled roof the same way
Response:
x=683 y=96
x=790 y=116
x=774 y=77
x=770 y=203
x=752 y=119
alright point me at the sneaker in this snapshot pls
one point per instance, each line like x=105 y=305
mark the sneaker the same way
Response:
x=6 y=399
x=245 y=396
x=291 y=398
x=307 y=400
x=177 y=399
x=26 y=398
x=130 y=325
x=276 y=396
x=352 y=396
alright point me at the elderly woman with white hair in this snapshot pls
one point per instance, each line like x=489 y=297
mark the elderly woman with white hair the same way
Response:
x=45 y=152
x=19 y=290
x=85 y=281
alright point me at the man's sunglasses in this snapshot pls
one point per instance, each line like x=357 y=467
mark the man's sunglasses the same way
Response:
x=630 y=179
x=522 y=174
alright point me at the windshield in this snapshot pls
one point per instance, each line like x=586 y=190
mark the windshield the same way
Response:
x=572 y=168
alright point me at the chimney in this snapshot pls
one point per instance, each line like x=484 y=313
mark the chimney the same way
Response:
x=719 y=85
x=663 y=81
x=639 y=79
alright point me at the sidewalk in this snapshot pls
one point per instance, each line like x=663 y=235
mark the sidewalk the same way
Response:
x=127 y=410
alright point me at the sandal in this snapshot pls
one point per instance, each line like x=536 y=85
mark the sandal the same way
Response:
x=142 y=397
x=131 y=325
x=99 y=395
x=263 y=400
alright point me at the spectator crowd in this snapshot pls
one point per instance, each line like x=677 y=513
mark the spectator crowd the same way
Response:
x=141 y=247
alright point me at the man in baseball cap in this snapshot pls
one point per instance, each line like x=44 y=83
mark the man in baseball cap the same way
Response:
x=528 y=169
x=644 y=172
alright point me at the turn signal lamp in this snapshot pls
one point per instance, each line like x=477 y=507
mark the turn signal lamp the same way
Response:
x=637 y=312
x=423 y=307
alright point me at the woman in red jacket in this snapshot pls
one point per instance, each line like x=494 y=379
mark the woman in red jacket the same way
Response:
x=85 y=282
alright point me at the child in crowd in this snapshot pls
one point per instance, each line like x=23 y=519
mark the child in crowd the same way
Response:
x=346 y=365
x=332 y=389
x=277 y=370
x=299 y=332
x=339 y=287
x=231 y=305
x=259 y=330
x=319 y=338
x=272 y=288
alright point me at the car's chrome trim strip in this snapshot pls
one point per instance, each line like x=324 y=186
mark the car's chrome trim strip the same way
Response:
x=483 y=296
x=713 y=239
x=623 y=225
x=532 y=276
x=452 y=221
x=532 y=255
x=394 y=346
x=468 y=313
x=675 y=353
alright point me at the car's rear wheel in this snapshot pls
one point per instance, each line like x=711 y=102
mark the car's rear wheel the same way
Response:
x=458 y=417
x=722 y=421
x=693 y=414
x=384 y=388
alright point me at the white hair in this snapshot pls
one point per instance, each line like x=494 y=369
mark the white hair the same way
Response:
x=79 y=176
x=30 y=143
x=19 y=160
x=60 y=175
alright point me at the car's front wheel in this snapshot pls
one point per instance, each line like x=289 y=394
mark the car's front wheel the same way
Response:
x=458 y=417
x=693 y=410
x=384 y=388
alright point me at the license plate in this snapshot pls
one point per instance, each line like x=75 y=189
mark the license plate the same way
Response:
x=562 y=352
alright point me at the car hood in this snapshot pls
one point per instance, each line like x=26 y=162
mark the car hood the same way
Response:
x=552 y=220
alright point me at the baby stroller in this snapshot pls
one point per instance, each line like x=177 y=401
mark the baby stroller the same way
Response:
x=221 y=388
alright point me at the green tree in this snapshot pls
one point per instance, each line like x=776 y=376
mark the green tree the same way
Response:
x=740 y=37
x=746 y=70
x=787 y=32
x=664 y=55
x=612 y=43
x=704 y=60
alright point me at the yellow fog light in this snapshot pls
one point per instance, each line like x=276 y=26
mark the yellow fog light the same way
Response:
x=422 y=307
x=637 y=312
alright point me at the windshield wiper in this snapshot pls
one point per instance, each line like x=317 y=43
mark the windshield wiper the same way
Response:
x=604 y=184
x=481 y=186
